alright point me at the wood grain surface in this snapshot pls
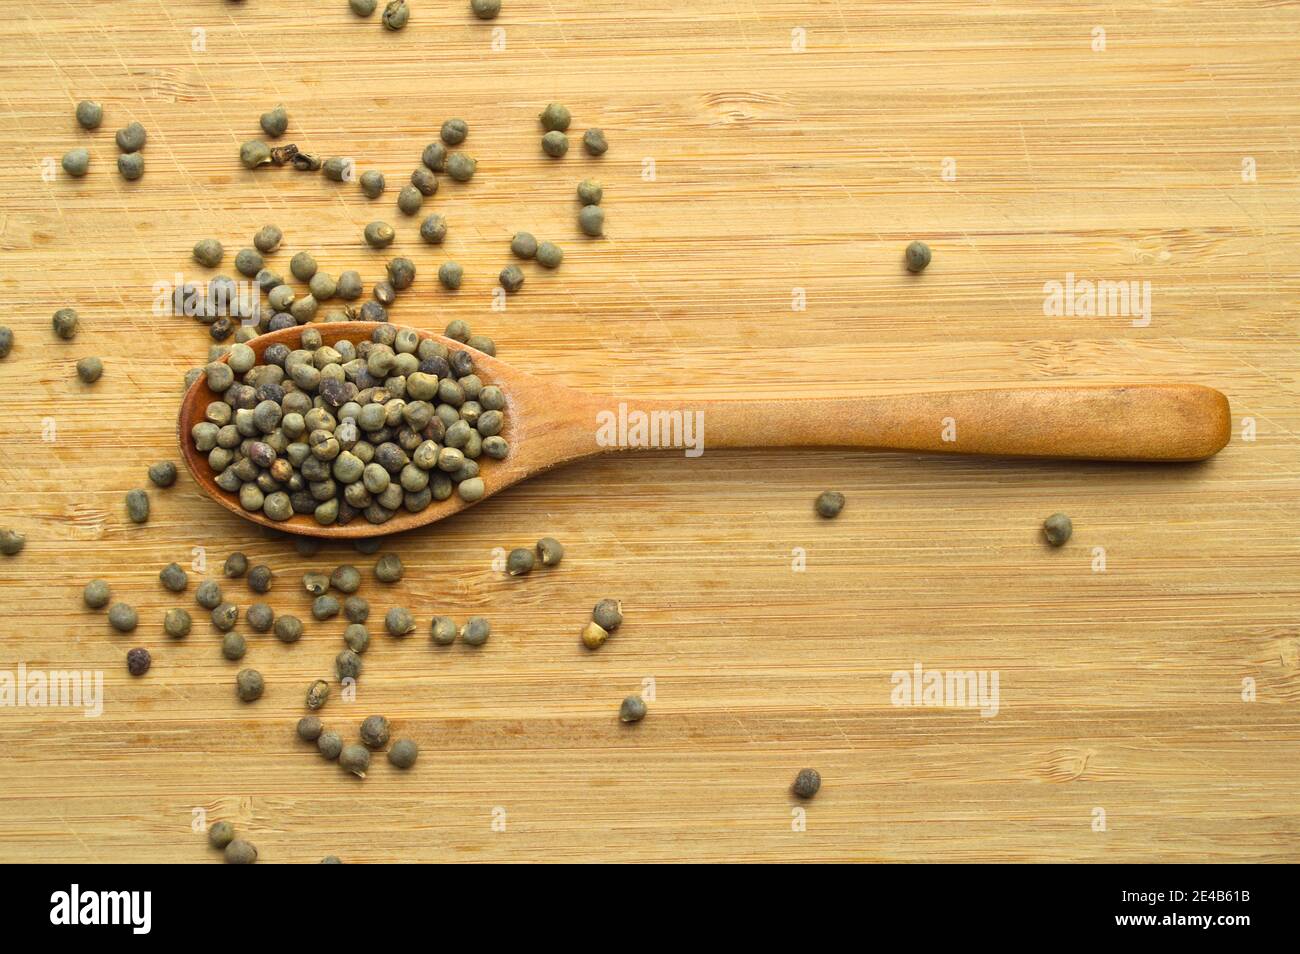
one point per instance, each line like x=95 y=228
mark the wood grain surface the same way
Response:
x=768 y=163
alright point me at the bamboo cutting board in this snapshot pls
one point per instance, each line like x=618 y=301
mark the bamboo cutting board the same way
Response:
x=767 y=166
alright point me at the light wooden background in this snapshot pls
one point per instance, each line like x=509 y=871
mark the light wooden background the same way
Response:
x=775 y=170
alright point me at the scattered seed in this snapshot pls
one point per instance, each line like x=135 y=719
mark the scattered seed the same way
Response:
x=6 y=341
x=592 y=220
x=274 y=122
x=255 y=153
x=259 y=578
x=249 y=685
x=454 y=131
x=357 y=638
x=174 y=578
x=138 y=661
x=388 y=568
x=208 y=594
x=476 y=631
x=96 y=594
x=356 y=609
x=163 y=473
x=76 y=162
x=66 y=324
x=90 y=370
x=403 y=753
x=318 y=694
x=608 y=614
x=555 y=118
x=511 y=278
x=555 y=144
x=347 y=665
x=122 y=617
x=450 y=275
x=233 y=645
x=236 y=565
x=374 y=731
x=433 y=229
x=177 y=623
x=325 y=607
x=356 y=759
x=1057 y=529
x=399 y=622
x=208 y=252
x=89 y=114
x=396 y=14
x=549 y=551
x=288 y=629
x=329 y=744
x=549 y=255
x=829 y=503
x=632 y=709
x=267 y=239
x=346 y=579
x=806 y=783
x=444 y=630
x=225 y=616
x=461 y=167
x=594 y=635
x=221 y=834
x=593 y=140
x=130 y=166
x=240 y=852
x=260 y=617
x=363 y=8
x=409 y=200
x=524 y=245
x=485 y=9
x=520 y=562
x=310 y=728
x=917 y=256
x=131 y=137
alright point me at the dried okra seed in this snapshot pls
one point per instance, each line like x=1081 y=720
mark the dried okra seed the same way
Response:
x=346 y=579
x=11 y=542
x=829 y=503
x=138 y=661
x=254 y=153
x=208 y=252
x=409 y=200
x=89 y=114
x=329 y=744
x=268 y=239
x=475 y=631
x=240 y=852
x=131 y=137
x=177 y=623
x=396 y=14
x=917 y=256
x=555 y=144
x=288 y=629
x=90 y=370
x=249 y=685
x=403 y=753
x=450 y=275
x=594 y=635
x=485 y=9
x=524 y=245
x=174 y=578
x=461 y=167
x=96 y=594
x=233 y=646
x=593 y=140
x=433 y=229
x=236 y=565
x=259 y=578
x=1057 y=529
x=363 y=8
x=208 y=594
x=356 y=609
x=372 y=183
x=444 y=630
x=66 y=324
x=356 y=759
x=632 y=709
x=399 y=622
x=590 y=192
x=511 y=278
x=374 y=731
x=260 y=616
x=163 y=473
x=388 y=568
x=274 y=122
x=549 y=255
x=130 y=166
x=608 y=614
x=309 y=728
x=520 y=561
x=454 y=131
x=555 y=117
x=221 y=834
x=806 y=783
x=347 y=665
x=225 y=616
x=76 y=162
x=549 y=551
x=122 y=617
x=592 y=220
x=318 y=694
x=357 y=637
x=325 y=607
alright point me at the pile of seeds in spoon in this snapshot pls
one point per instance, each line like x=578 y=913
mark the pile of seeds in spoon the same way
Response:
x=336 y=431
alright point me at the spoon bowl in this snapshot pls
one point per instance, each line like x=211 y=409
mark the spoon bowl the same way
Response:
x=548 y=424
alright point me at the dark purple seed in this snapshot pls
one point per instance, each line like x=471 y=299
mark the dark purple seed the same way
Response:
x=138 y=661
x=261 y=454
x=333 y=392
x=436 y=366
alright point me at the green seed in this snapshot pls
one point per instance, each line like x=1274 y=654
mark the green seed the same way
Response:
x=511 y=278
x=450 y=275
x=288 y=629
x=330 y=744
x=254 y=153
x=130 y=166
x=433 y=229
x=520 y=562
x=363 y=8
x=122 y=617
x=236 y=565
x=177 y=623
x=347 y=664
x=225 y=616
x=90 y=370
x=66 y=324
x=208 y=594
x=829 y=503
x=338 y=169
x=163 y=473
x=590 y=192
x=1057 y=529
x=549 y=551
x=357 y=638
x=379 y=235
x=592 y=220
x=260 y=616
x=485 y=9
x=174 y=578
x=208 y=252
x=96 y=594
x=917 y=256
x=221 y=834
x=76 y=162
x=454 y=131
x=401 y=273
x=475 y=631
x=249 y=685
x=259 y=578
x=372 y=184
x=274 y=122
x=461 y=167
x=434 y=157
x=303 y=266
x=549 y=255
x=396 y=14
x=409 y=200
x=555 y=144
x=524 y=245
x=249 y=262
x=424 y=180
x=471 y=490
x=806 y=783
x=318 y=694
x=355 y=758
x=388 y=568
x=11 y=542
x=268 y=239
x=555 y=118
x=325 y=607
x=443 y=630
x=374 y=732
x=131 y=137
x=6 y=341
x=399 y=622
x=356 y=609
x=346 y=579
x=240 y=853
x=349 y=286
x=457 y=330
x=137 y=506
x=403 y=753
x=608 y=614
x=482 y=343
x=233 y=646
x=310 y=728
x=593 y=140
x=632 y=709
x=89 y=114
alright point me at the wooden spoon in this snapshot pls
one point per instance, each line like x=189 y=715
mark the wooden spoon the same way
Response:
x=548 y=424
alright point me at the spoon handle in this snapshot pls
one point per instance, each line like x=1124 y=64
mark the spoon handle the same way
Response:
x=1138 y=422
